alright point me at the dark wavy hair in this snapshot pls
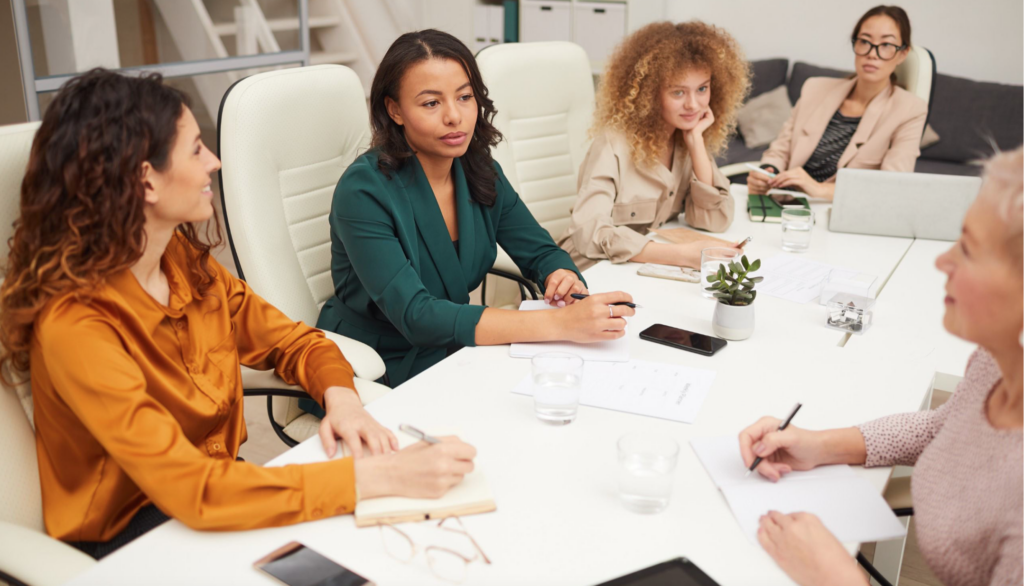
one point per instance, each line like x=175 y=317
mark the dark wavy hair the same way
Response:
x=389 y=137
x=898 y=15
x=82 y=201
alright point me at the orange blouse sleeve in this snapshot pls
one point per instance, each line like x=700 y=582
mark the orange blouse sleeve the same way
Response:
x=267 y=338
x=94 y=372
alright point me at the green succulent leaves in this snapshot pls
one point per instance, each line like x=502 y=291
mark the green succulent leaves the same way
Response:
x=731 y=285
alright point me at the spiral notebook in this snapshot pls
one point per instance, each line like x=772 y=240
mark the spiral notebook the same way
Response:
x=470 y=497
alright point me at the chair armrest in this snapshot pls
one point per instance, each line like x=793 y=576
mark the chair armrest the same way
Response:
x=38 y=559
x=365 y=361
x=738 y=168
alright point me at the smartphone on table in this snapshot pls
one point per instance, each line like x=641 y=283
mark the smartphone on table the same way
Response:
x=683 y=339
x=295 y=564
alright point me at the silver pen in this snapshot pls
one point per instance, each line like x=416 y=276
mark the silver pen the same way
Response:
x=410 y=430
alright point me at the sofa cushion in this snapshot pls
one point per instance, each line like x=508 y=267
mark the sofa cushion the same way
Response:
x=763 y=117
x=737 y=152
x=802 y=71
x=946 y=168
x=969 y=114
x=767 y=75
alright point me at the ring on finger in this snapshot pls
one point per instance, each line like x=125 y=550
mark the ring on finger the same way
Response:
x=610 y=312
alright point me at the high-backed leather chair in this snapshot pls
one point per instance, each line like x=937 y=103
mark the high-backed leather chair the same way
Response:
x=27 y=553
x=285 y=137
x=544 y=94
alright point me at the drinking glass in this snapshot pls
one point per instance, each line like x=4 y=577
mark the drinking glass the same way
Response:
x=796 y=229
x=646 y=465
x=710 y=260
x=557 y=377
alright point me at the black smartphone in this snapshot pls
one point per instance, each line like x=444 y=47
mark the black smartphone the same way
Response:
x=787 y=199
x=683 y=339
x=295 y=564
x=677 y=572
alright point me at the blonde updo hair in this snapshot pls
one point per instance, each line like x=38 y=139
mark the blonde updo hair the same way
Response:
x=1004 y=190
x=629 y=99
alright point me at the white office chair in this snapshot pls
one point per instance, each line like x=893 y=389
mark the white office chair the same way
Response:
x=544 y=94
x=27 y=554
x=285 y=137
x=916 y=75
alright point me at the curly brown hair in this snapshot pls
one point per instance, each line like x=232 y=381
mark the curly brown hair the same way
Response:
x=629 y=98
x=82 y=205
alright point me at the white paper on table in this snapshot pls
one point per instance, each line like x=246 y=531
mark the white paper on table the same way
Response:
x=665 y=391
x=848 y=505
x=850 y=508
x=797 y=279
x=607 y=351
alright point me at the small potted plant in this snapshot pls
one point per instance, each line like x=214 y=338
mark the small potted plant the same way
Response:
x=734 y=292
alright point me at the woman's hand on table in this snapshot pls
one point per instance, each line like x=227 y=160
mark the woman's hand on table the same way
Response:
x=799 y=179
x=757 y=183
x=807 y=551
x=559 y=287
x=594 y=319
x=421 y=470
x=347 y=419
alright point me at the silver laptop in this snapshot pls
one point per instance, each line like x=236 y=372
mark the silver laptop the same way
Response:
x=911 y=205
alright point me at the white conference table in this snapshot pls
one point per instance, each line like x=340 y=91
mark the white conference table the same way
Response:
x=558 y=519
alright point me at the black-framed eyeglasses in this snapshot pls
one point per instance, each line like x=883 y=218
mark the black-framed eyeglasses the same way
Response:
x=885 y=51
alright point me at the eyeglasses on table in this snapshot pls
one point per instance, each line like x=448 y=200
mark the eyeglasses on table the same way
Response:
x=445 y=563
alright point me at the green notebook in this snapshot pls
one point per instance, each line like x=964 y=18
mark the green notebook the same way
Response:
x=762 y=208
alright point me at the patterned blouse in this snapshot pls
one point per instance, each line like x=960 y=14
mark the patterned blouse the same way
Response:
x=825 y=158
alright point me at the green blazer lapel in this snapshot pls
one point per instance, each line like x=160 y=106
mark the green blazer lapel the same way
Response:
x=431 y=226
x=466 y=208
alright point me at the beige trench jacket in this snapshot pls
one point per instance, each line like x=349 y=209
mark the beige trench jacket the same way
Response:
x=887 y=138
x=618 y=202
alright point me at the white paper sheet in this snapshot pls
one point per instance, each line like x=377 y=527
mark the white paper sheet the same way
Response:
x=850 y=508
x=796 y=279
x=848 y=505
x=646 y=388
x=607 y=351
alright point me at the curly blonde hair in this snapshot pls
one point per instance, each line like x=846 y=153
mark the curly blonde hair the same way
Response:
x=629 y=98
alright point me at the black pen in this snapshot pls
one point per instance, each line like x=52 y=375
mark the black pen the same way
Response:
x=626 y=303
x=782 y=426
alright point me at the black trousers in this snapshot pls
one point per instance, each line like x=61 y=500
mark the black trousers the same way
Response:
x=149 y=517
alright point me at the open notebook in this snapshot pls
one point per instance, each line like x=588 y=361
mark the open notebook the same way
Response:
x=469 y=497
x=607 y=351
x=847 y=504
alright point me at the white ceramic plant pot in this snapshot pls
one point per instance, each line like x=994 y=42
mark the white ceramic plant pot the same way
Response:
x=733 y=322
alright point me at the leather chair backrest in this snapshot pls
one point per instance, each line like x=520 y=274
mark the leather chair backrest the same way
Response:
x=544 y=94
x=917 y=73
x=285 y=138
x=20 y=498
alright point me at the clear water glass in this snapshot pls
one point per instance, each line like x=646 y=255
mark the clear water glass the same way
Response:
x=647 y=463
x=710 y=260
x=557 y=377
x=796 y=229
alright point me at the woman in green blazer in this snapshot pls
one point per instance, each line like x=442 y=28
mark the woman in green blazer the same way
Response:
x=416 y=220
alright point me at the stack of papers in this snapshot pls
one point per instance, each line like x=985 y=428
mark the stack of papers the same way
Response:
x=665 y=391
x=607 y=351
x=848 y=505
x=796 y=279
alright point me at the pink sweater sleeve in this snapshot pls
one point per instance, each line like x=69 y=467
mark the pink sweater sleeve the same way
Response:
x=900 y=439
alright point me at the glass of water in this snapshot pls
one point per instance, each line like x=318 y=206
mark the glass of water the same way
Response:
x=710 y=260
x=647 y=463
x=796 y=229
x=557 y=377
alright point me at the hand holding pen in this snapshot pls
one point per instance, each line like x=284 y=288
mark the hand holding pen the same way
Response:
x=774 y=447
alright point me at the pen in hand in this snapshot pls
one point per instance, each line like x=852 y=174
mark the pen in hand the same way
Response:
x=410 y=430
x=581 y=296
x=782 y=426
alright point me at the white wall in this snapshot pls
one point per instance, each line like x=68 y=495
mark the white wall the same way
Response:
x=978 y=40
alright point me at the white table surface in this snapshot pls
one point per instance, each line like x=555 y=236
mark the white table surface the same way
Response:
x=558 y=519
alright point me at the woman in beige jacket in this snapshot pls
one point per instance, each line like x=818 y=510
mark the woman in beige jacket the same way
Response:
x=666 y=105
x=866 y=122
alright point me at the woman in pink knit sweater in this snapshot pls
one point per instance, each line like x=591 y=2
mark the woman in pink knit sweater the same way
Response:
x=967 y=455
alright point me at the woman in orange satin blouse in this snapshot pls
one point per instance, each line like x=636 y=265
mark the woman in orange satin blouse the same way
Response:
x=133 y=335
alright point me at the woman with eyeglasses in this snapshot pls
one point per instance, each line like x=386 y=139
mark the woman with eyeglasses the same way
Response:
x=863 y=122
